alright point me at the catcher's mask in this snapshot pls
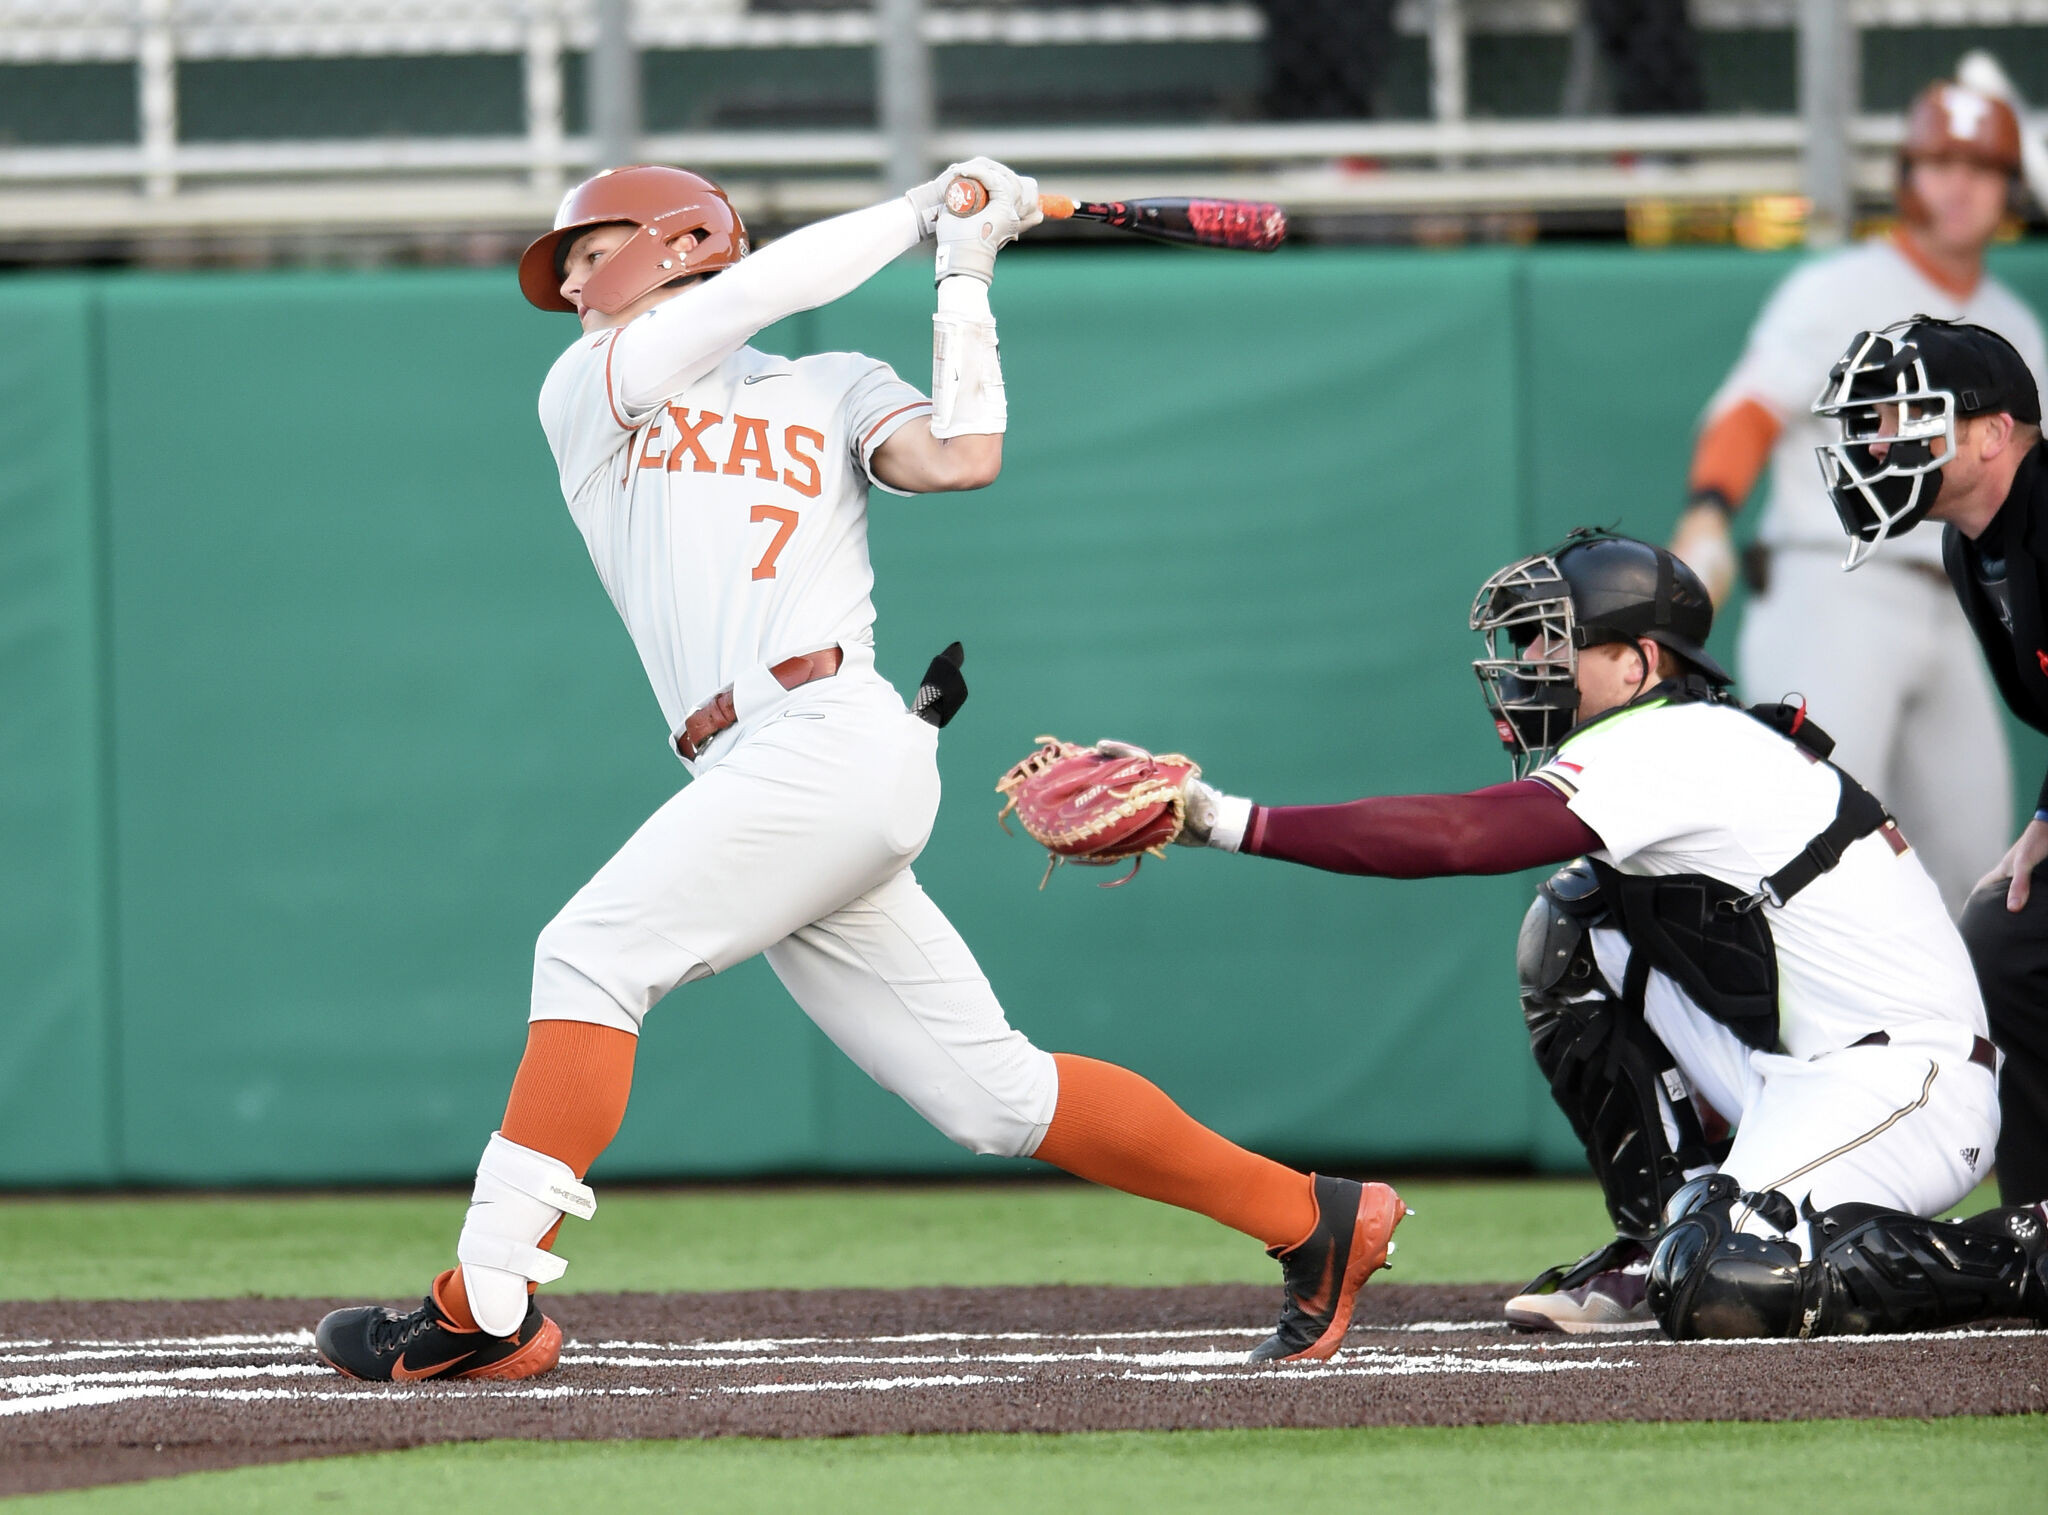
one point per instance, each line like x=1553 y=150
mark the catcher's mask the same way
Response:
x=1897 y=394
x=1539 y=613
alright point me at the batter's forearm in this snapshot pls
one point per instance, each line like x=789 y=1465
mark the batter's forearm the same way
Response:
x=916 y=462
x=683 y=339
x=1501 y=829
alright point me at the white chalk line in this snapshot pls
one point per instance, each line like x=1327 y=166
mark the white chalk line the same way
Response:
x=31 y=1393
x=217 y=1339
x=370 y=1394
x=37 y=1383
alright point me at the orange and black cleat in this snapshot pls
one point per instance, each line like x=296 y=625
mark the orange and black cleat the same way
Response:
x=372 y=1342
x=1322 y=1275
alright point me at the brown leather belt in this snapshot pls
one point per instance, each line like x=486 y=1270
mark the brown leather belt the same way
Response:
x=717 y=713
x=1982 y=1053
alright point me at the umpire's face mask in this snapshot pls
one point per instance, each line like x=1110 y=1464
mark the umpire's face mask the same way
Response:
x=1529 y=675
x=1898 y=431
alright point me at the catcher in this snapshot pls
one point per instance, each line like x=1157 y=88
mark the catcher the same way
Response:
x=1741 y=935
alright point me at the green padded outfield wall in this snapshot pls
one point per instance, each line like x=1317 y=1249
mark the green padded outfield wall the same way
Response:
x=315 y=711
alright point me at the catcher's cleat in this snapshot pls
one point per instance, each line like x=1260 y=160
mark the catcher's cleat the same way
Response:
x=1607 y=1291
x=372 y=1342
x=1322 y=1275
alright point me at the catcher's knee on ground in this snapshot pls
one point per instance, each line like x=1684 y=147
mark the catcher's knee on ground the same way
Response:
x=520 y=1196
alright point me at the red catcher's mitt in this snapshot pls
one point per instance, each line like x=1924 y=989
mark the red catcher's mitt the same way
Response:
x=1084 y=805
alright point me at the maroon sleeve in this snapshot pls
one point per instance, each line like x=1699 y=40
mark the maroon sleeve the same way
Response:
x=1500 y=829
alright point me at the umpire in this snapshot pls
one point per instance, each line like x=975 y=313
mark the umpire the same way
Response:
x=1942 y=421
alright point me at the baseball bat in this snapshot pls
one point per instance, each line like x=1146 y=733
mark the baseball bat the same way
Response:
x=1245 y=225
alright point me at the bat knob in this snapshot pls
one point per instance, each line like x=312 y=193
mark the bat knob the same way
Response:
x=965 y=196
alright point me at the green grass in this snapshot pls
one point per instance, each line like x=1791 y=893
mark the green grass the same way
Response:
x=1876 y=1467
x=388 y=1246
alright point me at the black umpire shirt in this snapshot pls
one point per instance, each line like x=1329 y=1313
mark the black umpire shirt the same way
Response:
x=2002 y=581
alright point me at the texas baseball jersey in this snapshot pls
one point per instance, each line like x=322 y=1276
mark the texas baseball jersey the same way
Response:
x=728 y=523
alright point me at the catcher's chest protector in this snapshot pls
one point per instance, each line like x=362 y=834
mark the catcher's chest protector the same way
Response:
x=1712 y=939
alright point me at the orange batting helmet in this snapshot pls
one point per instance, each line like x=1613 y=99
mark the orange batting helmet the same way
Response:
x=1950 y=121
x=663 y=203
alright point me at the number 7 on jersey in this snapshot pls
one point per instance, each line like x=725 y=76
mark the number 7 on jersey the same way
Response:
x=785 y=523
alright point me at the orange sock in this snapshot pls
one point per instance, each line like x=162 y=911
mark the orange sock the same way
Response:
x=1112 y=1127
x=567 y=1101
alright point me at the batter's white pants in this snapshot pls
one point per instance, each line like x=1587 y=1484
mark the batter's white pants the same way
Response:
x=795 y=840
x=1891 y=671
x=1910 y=1126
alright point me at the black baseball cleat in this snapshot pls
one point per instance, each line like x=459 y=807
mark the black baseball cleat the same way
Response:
x=1322 y=1275
x=372 y=1342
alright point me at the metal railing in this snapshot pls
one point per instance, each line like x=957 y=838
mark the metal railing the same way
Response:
x=162 y=183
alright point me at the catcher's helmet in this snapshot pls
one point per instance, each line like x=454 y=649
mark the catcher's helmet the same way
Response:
x=1929 y=374
x=1953 y=121
x=663 y=203
x=1593 y=587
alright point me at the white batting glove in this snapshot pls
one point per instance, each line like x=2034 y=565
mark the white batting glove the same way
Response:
x=968 y=243
x=929 y=200
x=1210 y=817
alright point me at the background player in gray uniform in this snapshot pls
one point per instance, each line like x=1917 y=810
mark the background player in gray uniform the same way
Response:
x=1883 y=656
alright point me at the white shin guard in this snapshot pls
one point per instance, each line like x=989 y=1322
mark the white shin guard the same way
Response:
x=519 y=1195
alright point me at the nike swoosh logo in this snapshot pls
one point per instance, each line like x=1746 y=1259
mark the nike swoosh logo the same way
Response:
x=1319 y=1301
x=755 y=378
x=400 y=1373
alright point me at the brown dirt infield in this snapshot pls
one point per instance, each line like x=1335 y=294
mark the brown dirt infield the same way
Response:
x=101 y=1392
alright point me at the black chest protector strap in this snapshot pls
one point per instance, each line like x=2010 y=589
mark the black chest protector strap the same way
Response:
x=1857 y=815
x=1710 y=937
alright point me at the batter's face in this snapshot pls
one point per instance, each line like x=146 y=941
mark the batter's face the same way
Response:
x=589 y=251
x=1965 y=203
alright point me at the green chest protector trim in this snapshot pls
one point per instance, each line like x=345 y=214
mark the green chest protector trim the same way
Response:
x=1714 y=940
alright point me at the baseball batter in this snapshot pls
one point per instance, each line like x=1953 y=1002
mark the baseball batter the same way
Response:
x=1749 y=939
x=723 y=492
x=1883 y=653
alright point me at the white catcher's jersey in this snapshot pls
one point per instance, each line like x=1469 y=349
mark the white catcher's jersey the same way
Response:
x=1700 y=788
x=729 y=522
x=1803 y=328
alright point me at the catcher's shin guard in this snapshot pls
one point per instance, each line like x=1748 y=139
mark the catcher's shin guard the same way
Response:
x=1608 y=1071
x=1873 y=1271
x=519 y=1197
x=1882 y=1270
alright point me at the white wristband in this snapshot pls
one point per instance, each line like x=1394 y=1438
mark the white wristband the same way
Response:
x=967 y=374
x=1233 y=815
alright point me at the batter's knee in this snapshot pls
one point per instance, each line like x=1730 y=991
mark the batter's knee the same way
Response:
x=998 y=1110
x=606 y=973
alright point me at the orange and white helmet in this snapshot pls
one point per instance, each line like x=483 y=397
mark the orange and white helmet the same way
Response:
x=663 y=203
x=1953 y=121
